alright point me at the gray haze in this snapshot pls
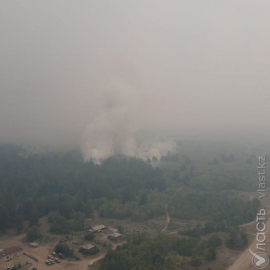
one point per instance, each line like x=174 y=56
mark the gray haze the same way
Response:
x=95 y=73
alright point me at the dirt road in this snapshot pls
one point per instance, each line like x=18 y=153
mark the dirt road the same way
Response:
x=244 y=262
x=168 y=219
x=84 y=266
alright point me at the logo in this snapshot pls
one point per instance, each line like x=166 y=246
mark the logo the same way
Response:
x=260 y=260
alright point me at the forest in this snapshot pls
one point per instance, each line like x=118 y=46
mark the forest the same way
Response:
x=223 y=208
x=32 y=186
x=150 y=253
x=68 y=190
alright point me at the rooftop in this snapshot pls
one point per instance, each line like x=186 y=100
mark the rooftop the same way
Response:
x=99 y=227
x=9 y=251
x=113 y=230
x=115 y=235
x=88 y=247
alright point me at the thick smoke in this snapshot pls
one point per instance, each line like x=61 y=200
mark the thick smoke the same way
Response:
x=112 y=130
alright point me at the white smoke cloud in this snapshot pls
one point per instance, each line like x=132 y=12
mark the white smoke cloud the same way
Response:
x=109 y=133
x=112 y=130
x=155 y=147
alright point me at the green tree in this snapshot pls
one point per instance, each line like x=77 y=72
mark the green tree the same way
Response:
x=33 y=234
x=59 y=224
x=196 y=262
x=176 y=176
x=214 y=241
x=143 y=199
x=34 y=218
x=237 y=239
x=120 y=229
x=211 y=254
x=89 y=237
x=78 y=221
x=64 y=249
x=19 y=223
x=209 y=227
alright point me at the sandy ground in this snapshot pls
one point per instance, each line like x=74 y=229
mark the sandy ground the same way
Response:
x=46 y=247
x=41 y=254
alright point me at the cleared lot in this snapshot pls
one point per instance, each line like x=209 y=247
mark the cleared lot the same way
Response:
x=41 y=254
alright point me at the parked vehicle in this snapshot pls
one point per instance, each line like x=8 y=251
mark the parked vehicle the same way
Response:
x=61 y=256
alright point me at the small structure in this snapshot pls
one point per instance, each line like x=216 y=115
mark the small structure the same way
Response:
x=113 y=230
x=10 y=253
x=98 y=228
x=34 y=245
x=88 y=247
x=115 y=236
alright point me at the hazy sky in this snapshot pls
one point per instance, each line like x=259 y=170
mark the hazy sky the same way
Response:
x=173 y=65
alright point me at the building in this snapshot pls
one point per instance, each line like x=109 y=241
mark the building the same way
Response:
x=98 y=228
x=10 y=253
x=115 y=236
x=35 y=245
x=88 y=247
x=113 y=230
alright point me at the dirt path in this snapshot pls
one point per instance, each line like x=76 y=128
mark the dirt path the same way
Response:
x=168 y=219
x=244 y=261
x=84 y=266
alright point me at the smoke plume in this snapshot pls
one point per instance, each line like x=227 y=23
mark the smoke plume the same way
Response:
x=113 y=129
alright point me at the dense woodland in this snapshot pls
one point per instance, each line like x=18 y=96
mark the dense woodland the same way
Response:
x=151 y=253
x=32 y=186
x=212 y=166
x=223 y=208
x=67 y=189
x=148 y=205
